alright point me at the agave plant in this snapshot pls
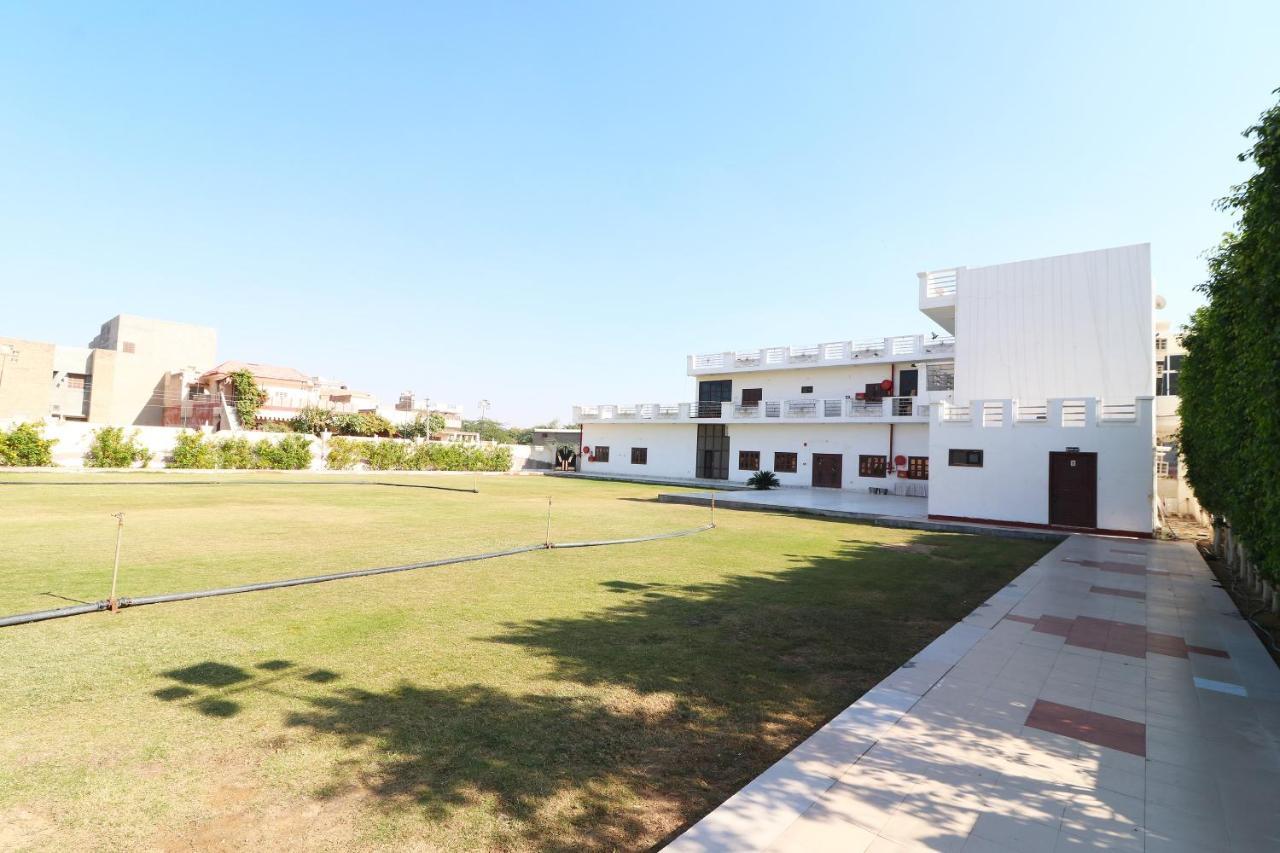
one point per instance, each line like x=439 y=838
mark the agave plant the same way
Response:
x=764 y=480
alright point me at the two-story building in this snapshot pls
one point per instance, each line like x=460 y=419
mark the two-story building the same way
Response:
x=1031 y=404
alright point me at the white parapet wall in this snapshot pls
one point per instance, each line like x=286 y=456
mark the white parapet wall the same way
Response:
x=1012 y=482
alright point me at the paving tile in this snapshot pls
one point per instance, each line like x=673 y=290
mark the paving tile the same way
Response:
x=1089 y=726
x=1103 y=700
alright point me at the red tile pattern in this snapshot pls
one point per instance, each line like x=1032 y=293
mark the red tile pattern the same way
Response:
x=1121 y=638
x=1123 y=593
x=1089 y=726
x=1110 y=566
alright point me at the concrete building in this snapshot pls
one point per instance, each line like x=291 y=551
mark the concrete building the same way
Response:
x=209 y=398
x=1032 y=404
x=119 y=378
x=411 y=406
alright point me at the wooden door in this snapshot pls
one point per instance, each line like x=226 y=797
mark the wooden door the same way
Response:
x=827 y=470
x=1073 y=489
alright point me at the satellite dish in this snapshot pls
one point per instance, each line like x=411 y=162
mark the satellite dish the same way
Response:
x=1160 y=303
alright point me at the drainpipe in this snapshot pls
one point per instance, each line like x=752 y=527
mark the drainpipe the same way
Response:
x=893 y=391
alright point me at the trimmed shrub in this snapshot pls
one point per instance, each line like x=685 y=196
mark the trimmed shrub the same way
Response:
x=344 y=454
x=385 y=455
x=276 y=426
x=192 y=451
x=25 y=445
x=234 y=452
x=111 y=449
x=291 y=453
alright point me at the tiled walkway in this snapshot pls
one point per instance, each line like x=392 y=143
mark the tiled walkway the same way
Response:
x=1110 y=697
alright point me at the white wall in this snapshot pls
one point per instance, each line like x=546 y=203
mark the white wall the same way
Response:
x=673 y=448
x=1074 y=325
x=1013 y=482
x=828 y=382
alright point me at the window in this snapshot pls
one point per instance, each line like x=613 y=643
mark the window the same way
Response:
x=917 y=467
x=752 y=396
x=748 y=460
x=601 y=453
x=871 y=466
x=965 y=458
x=129 y=347
x=639 y=456
x=940 y=376
x=785 y=463
x=806 y=389
x=75 y=381
x=1162 y=342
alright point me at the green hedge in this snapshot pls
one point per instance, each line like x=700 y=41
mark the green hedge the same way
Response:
x=25 y=445
x=1230 y=380
x=111 y=448
x=390 y=455
x=194 y=450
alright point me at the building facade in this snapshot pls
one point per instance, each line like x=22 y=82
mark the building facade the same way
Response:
x=1033 y=403
x=119 y=378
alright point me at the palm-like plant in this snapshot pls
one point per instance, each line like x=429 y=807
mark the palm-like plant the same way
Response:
x=764 y=480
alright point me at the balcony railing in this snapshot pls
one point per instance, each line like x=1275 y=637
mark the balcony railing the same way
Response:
x=896 y=348
x=830 y=410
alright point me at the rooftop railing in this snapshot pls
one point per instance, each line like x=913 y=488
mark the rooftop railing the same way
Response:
x=896 y=348
x=1066 y=412
x=830 y=409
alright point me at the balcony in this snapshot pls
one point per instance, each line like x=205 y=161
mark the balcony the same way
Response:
x=836 y=354
x=804 y=410
x=938 y=296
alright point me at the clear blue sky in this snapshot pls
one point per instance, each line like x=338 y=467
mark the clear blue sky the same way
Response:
x=549 y=203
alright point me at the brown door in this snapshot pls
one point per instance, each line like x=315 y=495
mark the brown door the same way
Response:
x=826 y=470
x=1073 y=489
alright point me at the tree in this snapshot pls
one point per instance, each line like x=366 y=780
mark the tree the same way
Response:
x=249 y=398
x=1230 y=380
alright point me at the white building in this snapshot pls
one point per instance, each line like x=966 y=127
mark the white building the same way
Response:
x=1032 y=405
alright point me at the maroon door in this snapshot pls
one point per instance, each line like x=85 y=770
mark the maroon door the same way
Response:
x=1073 y=489
x=827 y=470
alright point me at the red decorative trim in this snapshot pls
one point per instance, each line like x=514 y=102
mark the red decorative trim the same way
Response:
x=1100 y=531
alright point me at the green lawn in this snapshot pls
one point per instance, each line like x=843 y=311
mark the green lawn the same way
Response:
x=563 y=699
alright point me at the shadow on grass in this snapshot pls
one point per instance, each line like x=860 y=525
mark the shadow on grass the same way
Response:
x=671 y=699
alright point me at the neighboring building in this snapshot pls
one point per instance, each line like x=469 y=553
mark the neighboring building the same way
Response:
x=1171 y=482
x=119 y=378
x=209 y=398
x=547 y=440
x=1038 y=411
x=411 y=406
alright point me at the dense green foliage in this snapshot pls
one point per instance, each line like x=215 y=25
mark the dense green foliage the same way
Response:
x=111 y=448
x=319 y=419
x=389 y=455
x=293 y=452
x=421 y=427
x=763 y=480
x=1230 y=381
x=344 y=454
x=235 y=452
x=194 y=450
x=25 y=445
x=249 y=398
